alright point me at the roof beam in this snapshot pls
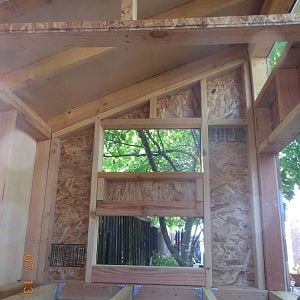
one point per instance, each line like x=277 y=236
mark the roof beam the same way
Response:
x=263 y=49
x=141 y=92
x=10 y=9
x=152 y=32
x=32 y=118
x=49 y=66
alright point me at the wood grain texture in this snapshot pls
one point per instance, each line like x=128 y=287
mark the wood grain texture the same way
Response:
x=149 y=275
x=155 y=32
x=73 y=198
x=231 y=293
x=232 y=248
x=226 y=99
x=182 y=104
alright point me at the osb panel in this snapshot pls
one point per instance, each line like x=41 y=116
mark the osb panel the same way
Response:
x=150 y=190
x=232 y=249
x=73 y=198
x=183 y=104
x=138 y=113
x=225 y=96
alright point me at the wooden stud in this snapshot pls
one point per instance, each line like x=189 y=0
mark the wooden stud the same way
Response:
x=128 y=10
x=93 y=220
x=187 y=123
x=208 y=294
x=271 y=223
x=253 y=172
x=28 y=114
x=36 y=208
x=126 y=293
x=149 y=275
x=153 y=109
x=49 y=210
x=205 y=161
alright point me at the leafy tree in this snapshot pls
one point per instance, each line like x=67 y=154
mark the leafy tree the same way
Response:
x=290 y=168
x=275 y=54
x=157 y=151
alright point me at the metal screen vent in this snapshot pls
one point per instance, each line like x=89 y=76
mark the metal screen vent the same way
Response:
x=68 y=255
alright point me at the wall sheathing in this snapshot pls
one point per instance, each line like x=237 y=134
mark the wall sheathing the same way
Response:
x=232 y=247
x=73 y=198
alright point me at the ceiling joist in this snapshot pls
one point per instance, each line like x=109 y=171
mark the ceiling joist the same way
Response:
x=152 y=32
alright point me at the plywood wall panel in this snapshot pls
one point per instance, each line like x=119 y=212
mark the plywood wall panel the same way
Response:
x=232 y=249
x=226 y=97
x=183 y=104
x=73 y=198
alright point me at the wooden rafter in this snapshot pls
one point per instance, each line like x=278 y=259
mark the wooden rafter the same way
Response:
x=49 y=66
x=14 y=102
x=121 y=100
x=152 y=32
x=10 y=9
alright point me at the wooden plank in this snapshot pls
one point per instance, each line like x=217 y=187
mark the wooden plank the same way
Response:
x=149 y=275
x=186 y=123
x=137 y=94
x=10 y=9
x=93 y=221
x=29 y=115
x=126 y=293
x=235 y=293
x=288 y=91
x=259 y=72
x=283 y=134
x=271 y=223
x=153 y=112
x=206 y=178
x=36 y=208
x=154 y=32
x=128 y=10
x=45 y=292
x=279 y=295
x=227 y=123
x=49 y=210
x=208 y=294
x=46 y=67
x=168 y=292
x=253 y=170
x=142 y=208
x=150 y=175
x=11 y=289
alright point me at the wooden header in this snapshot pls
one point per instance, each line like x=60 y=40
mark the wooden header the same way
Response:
x=154 y=32
x=149 y=275
x=175 y=123
x=116 y=176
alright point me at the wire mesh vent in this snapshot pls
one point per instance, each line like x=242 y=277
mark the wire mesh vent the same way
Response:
x=68 y=255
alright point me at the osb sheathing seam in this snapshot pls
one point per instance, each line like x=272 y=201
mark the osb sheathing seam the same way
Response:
x=73 y=198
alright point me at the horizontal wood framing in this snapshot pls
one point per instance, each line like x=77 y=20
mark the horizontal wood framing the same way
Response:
x=31 y=117
x=149 y=275
x=144 y=209
x=124 y=99
x=235 y=293
x=116 y=176
x=187 y=123
x=279 y=295
x=152 y=32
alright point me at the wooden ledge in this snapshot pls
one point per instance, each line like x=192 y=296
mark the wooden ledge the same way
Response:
x=150 y=176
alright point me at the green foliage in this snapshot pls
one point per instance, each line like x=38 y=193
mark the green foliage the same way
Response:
x=275 y=54
x=290 y=168
x=160 y=259
x=124 y=152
